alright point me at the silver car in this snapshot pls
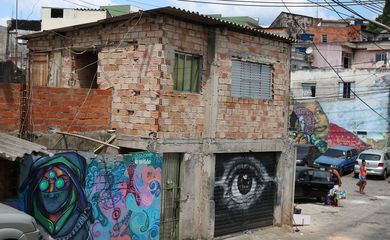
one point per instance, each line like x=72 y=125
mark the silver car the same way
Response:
x=377 y=163
x=15 y=224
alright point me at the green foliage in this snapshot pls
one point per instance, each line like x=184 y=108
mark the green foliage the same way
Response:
x=383 y=18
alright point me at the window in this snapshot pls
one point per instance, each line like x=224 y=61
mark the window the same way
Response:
x=346 y=89
x=382 y=56
x=57 y=13
x=251 y=80
x=346 y=58
x=324 y=38
x=355 y=152
x=86 y=66
x=187 y=72
x=308 y=89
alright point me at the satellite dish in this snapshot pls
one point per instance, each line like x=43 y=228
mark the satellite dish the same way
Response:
x=309 y=50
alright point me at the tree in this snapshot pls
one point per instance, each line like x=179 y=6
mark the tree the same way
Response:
x=382 y=18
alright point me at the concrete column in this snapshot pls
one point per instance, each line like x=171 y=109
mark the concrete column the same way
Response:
x=211 y=88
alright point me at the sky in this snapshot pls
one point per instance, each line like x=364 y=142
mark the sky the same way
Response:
x=30 y=9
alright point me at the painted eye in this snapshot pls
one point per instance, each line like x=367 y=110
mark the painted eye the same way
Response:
x=52 y=174
x=43 y=185
x=60 y=183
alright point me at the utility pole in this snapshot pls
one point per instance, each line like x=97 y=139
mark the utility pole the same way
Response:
x=16 y=35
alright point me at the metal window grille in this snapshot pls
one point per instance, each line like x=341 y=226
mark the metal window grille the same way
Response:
x=251 y=80
x=170 y=195
x=382 y=56
x=345 y=89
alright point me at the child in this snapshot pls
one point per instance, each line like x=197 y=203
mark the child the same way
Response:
x=362 y=177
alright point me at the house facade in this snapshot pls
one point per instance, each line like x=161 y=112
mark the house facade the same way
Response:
x=340 y=85
x=209 y=95
x=63 y=17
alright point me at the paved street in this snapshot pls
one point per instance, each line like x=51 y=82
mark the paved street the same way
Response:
x=358 y=217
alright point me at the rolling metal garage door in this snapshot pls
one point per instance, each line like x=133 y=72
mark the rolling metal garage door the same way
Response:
x=244 y=191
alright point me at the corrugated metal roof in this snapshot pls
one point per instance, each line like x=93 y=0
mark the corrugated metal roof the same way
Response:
x=13 y=148
x=194 y=17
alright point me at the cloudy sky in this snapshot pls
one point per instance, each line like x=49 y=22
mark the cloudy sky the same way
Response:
x=30 y=9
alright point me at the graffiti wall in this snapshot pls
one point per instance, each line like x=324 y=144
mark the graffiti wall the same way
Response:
x=244 y=191
x=77 y=197
x=333 y=121
x=313 y=126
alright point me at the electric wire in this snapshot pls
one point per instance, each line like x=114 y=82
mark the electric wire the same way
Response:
x=260 y=3
x=330 y=65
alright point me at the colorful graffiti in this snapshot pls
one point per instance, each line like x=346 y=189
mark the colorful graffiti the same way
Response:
x=312 y=126
x=244 y=191
x=72 y=198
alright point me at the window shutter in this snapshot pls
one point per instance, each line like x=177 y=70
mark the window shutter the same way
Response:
x=251 y=80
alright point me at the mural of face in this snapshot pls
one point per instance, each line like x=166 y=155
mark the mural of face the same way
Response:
x=54 y=195
x=321 y=122
x=55 y=189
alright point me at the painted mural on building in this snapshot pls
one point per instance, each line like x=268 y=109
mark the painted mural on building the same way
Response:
x=76 y=197
x=244 y=191
x=331 y=119
x=312 y=126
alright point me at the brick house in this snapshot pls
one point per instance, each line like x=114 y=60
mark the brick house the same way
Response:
x=212 y=96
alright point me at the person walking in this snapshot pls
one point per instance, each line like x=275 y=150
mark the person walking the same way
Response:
x=362 y=177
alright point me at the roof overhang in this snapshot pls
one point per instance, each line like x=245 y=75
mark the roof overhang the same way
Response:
x=193 y=17
x=13 y=148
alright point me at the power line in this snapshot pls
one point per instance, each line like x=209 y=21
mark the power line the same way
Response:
x=354 y=12
x=330 y=65
x=360 y=32
x=262 y=3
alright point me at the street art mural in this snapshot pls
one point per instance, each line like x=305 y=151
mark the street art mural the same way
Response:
x=76 y=197
x=334 y=120
x=244 y=191
x=312 y=126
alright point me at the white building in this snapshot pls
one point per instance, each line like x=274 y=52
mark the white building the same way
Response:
x=63 y=17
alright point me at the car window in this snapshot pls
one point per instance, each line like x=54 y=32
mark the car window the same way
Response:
x=334 y=153
x=355 y=152
x=306 y=175
x=349 y=154
x=370 y=157
x=302 y=152
x=321 y=176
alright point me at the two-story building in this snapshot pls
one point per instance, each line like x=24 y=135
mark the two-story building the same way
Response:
x=339 y=83
x=210 y=95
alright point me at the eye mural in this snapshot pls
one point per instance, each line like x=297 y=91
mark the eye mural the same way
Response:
x=244 y=191
x=99 y=198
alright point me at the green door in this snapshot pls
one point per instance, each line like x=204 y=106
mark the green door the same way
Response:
x=170 y=198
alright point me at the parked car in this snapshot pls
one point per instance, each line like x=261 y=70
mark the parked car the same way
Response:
x=306 y=154
x=341 y=158
x=15 y=224
x=313 y=183
x=377 y=163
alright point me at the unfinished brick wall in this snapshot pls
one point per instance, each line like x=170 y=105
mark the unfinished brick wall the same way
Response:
x=9 y=107
x=249 y=118
x=74 y=110
x=336 y=34
x=182 y=113
x=136 y=59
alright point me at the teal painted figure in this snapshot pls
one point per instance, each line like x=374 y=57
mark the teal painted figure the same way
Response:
x=76 y=197
x=54 y=196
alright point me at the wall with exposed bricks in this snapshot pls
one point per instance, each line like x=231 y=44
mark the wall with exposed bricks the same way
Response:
x=9 y=107
x=248 y=118
x=136 y=60
x=73 y=110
